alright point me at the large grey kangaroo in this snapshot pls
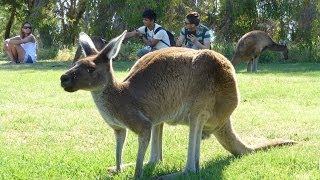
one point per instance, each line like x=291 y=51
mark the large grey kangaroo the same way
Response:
x=251 y=45
x=172 y=85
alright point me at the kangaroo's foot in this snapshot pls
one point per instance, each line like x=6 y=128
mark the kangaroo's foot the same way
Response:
x=114 y=170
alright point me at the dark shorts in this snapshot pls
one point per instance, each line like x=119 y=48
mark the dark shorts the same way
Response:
x=28 y=59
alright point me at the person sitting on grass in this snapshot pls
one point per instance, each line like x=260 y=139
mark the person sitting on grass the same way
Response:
x=194 y=34
x=22 y=48
x=152 y=39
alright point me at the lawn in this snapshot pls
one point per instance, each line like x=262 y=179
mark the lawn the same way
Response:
x=47 y=133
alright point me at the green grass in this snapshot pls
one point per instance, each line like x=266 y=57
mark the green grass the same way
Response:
x=46 y=133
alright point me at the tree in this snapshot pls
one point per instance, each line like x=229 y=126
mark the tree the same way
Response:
x=14 y=9
x=306 y=21
x=58 y=22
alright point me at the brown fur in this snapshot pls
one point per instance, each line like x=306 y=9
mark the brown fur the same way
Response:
x=172 y=85
x=251 y=45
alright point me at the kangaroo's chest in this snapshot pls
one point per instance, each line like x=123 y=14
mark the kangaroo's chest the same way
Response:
x=107 y=112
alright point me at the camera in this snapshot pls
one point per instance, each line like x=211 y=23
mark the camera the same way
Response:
x=191 y=32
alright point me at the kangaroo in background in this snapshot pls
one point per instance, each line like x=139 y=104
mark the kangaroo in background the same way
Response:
x=98 y=42
x=251 y=45
x=172 y=85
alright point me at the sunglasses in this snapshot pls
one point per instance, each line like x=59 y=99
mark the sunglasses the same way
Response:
x=27 y=27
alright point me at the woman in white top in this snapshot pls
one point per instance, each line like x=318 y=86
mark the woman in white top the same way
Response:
x=22 y=48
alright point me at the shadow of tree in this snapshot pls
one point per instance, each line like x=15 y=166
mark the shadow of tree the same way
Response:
x=284 y=68
x=45 y=65
x=40 y=65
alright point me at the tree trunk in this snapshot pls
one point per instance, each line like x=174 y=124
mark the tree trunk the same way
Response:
x=10 y=23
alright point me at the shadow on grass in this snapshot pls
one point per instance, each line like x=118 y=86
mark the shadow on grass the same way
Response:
x=214 y=169
x=39 y=65
x=282 y=68
x=45 y=65
x=211 y=170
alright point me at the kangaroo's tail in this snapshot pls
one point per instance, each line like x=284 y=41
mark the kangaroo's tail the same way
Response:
x=231 y=142
x=273 y=143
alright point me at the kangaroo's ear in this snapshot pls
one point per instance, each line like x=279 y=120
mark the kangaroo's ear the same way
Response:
x=111 y=50
x=87 y=45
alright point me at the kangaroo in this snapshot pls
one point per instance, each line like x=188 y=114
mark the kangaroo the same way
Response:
x=251 y=45
x=173 y=85
x=98 y=42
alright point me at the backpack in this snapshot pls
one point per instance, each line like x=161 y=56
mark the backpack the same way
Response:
x=171 y=36
x=203 y=34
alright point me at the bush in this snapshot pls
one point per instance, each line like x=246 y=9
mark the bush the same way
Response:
x=297 y=53
x=270 y=57
x=129 y=51
x=50 y=53
x=56 y=54
x=227 y=49
x=301 y=53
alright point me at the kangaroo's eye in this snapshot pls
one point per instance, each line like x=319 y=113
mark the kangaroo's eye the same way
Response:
x=91 y=69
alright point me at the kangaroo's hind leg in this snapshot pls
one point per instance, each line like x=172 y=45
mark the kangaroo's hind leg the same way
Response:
x=195 y=133
x=196 y=125
x=255 y=64
x=249 y=65
x=230 y=140
x=156 y=144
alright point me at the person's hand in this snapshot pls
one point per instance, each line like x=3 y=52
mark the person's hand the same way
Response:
x=137 y=33
x=192 y=38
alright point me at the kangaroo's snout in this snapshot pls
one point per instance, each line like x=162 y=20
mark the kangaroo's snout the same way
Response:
x=66 y=83
x=65 y=80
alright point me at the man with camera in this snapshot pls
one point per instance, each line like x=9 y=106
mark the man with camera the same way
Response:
x=152 y=34
x=194 y=35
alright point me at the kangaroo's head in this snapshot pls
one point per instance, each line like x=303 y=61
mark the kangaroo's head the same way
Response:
x=94 y=71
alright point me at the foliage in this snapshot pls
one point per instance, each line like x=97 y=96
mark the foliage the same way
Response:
x=227 y=49
x=47 y=53
x=235 y=18
x=58 y=22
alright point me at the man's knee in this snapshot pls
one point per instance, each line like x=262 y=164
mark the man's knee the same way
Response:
x=142 y=52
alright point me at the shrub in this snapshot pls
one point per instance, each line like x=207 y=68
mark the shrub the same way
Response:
x=297 y=53
x=129 y=50
x=50 y=53
x=227 y=49
x=301 y=53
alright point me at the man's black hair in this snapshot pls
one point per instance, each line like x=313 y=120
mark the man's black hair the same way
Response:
x=150 y=14
x=194 y=18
